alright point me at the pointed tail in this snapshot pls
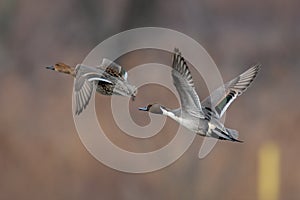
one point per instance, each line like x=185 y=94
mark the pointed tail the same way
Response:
x=234 y=135
x=227 y=134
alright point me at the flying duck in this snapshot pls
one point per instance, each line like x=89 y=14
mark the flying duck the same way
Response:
x=108 y=79
x=203 y=118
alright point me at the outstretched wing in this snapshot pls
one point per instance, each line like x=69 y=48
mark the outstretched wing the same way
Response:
x=184 y=84
x=113 y=69
x=85 y=84
x=220 y=101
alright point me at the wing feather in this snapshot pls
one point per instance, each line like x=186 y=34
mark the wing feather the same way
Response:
x=85 y=84
x=221 y=98
x=113 y=69
x=184 y=84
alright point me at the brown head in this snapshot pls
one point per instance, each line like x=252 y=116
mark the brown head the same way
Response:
x=63 y=68
x=153 y=108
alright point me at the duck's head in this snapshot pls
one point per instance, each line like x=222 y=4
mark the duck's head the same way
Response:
x=63 y=68
x=153 y=108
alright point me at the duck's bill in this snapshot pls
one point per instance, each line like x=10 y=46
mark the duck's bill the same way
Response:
x=50 y=67
x=143 y=108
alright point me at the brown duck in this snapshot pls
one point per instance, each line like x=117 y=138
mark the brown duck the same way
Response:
x=108 y=79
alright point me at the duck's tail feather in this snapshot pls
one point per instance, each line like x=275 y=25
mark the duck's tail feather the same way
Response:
x=230 y=134
x=234 y=134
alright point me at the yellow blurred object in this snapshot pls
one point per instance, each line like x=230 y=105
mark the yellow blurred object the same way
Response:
x=269 y=170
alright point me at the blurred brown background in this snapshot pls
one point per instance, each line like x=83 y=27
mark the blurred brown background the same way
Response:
x=41 y=156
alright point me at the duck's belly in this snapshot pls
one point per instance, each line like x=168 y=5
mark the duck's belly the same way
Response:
x=190 y=124
x=199 y=127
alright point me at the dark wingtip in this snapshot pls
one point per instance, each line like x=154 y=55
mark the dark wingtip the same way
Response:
x=257 y=66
